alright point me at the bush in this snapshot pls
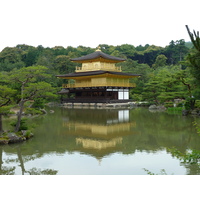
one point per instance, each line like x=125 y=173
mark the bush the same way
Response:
x=136 y=97
x=174 y=110
x=23 y=124
x=179 y=105
x=33 y=111
x=169 y=104
x=189 y=103
x=39 y=103
x=197 y=104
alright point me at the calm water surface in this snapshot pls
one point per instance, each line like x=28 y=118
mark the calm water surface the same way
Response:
x=103 y=141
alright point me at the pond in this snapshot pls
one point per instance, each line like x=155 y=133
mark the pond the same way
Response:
x=84 y=141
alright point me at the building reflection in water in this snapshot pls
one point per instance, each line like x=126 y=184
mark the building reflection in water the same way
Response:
x=100 y=132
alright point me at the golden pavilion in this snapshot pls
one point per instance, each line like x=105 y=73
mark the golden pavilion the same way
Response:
x=98 y=80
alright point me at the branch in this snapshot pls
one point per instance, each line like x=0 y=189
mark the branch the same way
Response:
x=187 y=84
x=7 y=102
x=194 y=40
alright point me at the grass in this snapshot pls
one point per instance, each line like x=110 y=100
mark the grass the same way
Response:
x=174 y=110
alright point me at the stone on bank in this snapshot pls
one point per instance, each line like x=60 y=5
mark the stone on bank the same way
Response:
x=9 y=138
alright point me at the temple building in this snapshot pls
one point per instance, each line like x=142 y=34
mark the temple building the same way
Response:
x=98 y=80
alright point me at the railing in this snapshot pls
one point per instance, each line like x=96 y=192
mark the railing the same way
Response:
x=116 y=69
x=108 y=84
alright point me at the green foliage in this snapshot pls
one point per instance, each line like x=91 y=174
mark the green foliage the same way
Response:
x=162 y=172
x=197 y=104
x=136 y=97
x=28 y=134
x=190 y=157
x=57 y=58
x=189 y=103
x=63 y=64
x=33 y=111
x=180 y=105
x=35 y=171
x=39 y=103
x=6 y=96
x=30 y=85
x=197 y=126
x=23 y=124
x=193 y=57
x=175 y=110
x=160 y=61
x=169 y=104
x=175 y=52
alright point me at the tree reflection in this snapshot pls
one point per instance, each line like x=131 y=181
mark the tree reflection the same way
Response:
x=4 y=170
x=35 y=171
x=190 y=159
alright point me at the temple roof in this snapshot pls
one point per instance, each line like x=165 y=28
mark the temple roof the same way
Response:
x=93 y=73
x=98 y=56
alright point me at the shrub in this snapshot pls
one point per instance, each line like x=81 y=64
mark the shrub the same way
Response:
x=197 y=104
x=189 y=103
x=23 y=124
x=136 y=97
x=174 y=110
x=169 y=104
x=33 y=111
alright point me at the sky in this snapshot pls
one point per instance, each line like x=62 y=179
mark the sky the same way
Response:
x=92 y=22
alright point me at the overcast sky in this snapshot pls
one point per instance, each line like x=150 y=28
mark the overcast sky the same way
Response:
x=92 y=22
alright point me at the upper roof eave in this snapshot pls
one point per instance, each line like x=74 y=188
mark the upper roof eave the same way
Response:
x=95 y=55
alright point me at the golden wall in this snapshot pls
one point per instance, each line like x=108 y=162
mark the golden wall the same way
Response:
x=100 y=82
x=94 y=66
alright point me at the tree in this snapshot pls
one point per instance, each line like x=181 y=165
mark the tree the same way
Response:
x=149 y=55
x=193 y=57
x=152 y=88
x=30 y=86
x=171 y=83
x=160 y=61
x=11 y=54
x=63 y=64
x=166 y=84
x=31 y=56
x=175 y=51
x=10 y=58
x=191 y=90
x=126 y=50
x=6 y=95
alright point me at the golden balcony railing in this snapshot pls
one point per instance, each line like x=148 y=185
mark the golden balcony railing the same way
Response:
x=88 y=84
x=116 y=69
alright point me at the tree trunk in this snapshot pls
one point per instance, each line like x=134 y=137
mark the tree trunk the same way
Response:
x=1 y=124
x=21 y=107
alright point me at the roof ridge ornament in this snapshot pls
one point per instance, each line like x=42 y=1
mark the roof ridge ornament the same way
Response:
x=98 y=48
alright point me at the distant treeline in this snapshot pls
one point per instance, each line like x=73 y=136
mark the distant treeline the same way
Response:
x=25 y=55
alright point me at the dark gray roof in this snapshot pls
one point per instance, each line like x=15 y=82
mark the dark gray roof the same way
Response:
x=96 y=55
x=92 y=73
